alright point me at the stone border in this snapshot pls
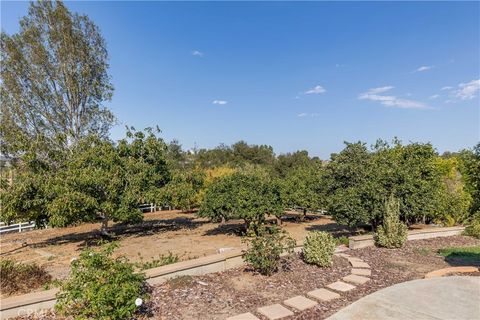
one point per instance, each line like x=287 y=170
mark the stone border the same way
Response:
x=358 y=242
x=447 y=271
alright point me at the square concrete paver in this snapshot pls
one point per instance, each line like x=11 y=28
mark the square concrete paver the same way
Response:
x=359 y=264
x=341 y=286
x=243 y=316
x=300 y=303
x=362 y=272
x=275 y=311
x=323 y=294
x=355 y=279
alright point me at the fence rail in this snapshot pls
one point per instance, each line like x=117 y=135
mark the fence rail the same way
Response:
x=17 y=227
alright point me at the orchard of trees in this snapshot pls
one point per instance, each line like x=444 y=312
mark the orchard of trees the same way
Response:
x=66 y=170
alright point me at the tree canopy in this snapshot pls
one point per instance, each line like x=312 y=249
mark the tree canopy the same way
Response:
x=54 y=81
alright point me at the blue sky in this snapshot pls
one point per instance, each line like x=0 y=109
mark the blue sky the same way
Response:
x=306 y=75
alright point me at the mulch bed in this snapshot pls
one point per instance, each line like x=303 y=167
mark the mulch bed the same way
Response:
x=224 y=294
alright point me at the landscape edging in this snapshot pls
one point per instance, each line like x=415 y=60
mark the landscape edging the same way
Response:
x=357 y=242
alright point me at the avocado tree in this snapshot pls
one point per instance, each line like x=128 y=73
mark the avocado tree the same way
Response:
x=183 y=191
x=248 y=196
x=303 y=188
x=98 y=180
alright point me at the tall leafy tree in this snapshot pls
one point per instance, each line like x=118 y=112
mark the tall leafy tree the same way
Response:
x=54 y=81
x=247 y=196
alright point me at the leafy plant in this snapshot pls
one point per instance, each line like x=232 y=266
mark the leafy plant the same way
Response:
x=473 y=229
x=343 y=240
x=393 y=232
x=19 y=277
x=318 y=248
x=265 y=250
x=101 y=287
x=161 y=261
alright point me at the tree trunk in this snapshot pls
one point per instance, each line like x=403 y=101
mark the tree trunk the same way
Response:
x=104 y=227
x=279 y=221
x=302 y=217
x=223 y=221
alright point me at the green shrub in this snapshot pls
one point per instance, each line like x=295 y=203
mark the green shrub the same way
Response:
x=393 y=232
x=473 y=229
x=318 y=248
x=21 y=277
x=101 y=287
x=342 y=240
x=264 y=250
x=161 y=261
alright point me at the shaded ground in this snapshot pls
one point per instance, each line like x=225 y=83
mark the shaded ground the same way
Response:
x=162 y=232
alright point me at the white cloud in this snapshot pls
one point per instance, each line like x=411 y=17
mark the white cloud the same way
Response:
x=304 y=114
x=435 y=96
x=447 y=88
x=391 y=101
x=468 y=91
x=316 y=90
x=423 y=68
x=197 y=53
x=220 y=102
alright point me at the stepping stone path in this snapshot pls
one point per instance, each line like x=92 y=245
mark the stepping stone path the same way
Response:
x=300 y=303
x=359 y=275
x=275 y=311
x=323 y=294
x=243 y=316
x=341 y=286
x=353 y=278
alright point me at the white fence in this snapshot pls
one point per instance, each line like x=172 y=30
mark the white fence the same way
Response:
x=17 y=227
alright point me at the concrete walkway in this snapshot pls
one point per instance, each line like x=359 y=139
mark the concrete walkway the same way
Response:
x=448 y=298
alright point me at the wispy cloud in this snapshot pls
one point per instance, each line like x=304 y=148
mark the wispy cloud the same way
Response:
x=316 y=90
x=435 y=96
x=197 y=53
x=446 y=88
x=468 y=91
x=423 y=68
x=391 y=101
x=220 y=102
x=304 y=114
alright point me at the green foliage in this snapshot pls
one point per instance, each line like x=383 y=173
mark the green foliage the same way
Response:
x=393 y=232
x=469 y=256
x=264 y=250
x=303 y=187
x=96 y=180
x=21 y=277
x=183 y=191
x=162 y=260
x=342 y=240
x=54 y=81
x=470 y=169
x=473 y=228
x=248 y=196
x=101 y=287
x=359 y=180
x=318 y=248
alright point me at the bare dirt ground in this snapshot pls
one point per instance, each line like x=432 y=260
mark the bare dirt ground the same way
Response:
x=160 y=233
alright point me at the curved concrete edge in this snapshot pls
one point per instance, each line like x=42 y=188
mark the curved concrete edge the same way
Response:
x=448 y=298
x=358 y=242
x=446 y=271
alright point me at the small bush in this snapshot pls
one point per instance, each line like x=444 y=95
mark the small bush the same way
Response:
x=101 y=287
x=264 y=250
x=318 y=248
x=393 y=232
x=161 y=261
x=342 y=240
x=473 y=229
x=21 y=277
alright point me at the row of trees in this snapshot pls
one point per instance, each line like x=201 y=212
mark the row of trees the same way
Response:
x=54 y=84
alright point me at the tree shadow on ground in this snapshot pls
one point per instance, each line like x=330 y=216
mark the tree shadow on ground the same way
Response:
x=121 y=231
x=459 y=259
x=236 y=228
